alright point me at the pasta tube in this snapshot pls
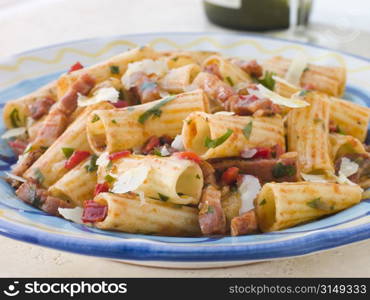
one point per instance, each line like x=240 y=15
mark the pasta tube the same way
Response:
x=179 y=79
x=212 y=136
x=283 y=205
x=344 y=144
x=230 y=73
x=308 y=135
x=114 y=67
x=167 y=178
x=51 y=163
x=15 y=112
x=329 y=80
x=351 y=118
x=76 y=186
x=115 y=130
x=127 y=213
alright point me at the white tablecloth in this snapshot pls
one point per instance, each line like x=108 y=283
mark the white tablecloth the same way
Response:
x=27 y=24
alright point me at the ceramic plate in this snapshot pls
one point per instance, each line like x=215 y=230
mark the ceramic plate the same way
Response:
x=23 y=73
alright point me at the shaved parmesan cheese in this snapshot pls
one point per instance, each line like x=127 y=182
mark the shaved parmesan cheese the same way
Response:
x=178 y=143
x=263 y=92
x=248 y=153
x=131 y=180
x=72 y=214
x=347 y=168
x=283 y=81
x=147 y=66
x=100 y=95
x=141 y=197
x=314 y=178
x=103 y=160
x=14 y=132
x=15 y=177
x=225 y=113
x=248 y=190
x=29 y=122
x=296 y=69
x=164 y=151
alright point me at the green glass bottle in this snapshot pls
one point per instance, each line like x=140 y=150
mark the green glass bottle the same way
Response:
x=256 y=15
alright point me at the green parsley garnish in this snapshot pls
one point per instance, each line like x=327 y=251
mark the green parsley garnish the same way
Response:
x=114 y=121
x=317 y=203
x=303 y=93
x=229 y=81
x=197 y=176
x=263 y=202
x=210 y=210
x=157 y=152
x=267 y=80
x=163 y=197
x=67 y=152
x=281 y=170
x=14 y=118
x=175 y=58
x=247 y=130
x=155 y=110
x=209 y=143
x=39 y=176
x=339 y=130
x=92 y=166
x=28 y=149
x=306 y=69
x=95 y=118
x=108 y=178
x=114 y=69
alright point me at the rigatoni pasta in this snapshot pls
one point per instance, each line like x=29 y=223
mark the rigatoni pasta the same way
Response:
x=283 y=205
x=114 y=130
x=127 y=213
x=190 y=143
x=212 y=136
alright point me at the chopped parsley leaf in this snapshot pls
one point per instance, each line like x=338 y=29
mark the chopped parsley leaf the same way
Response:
x=247 y=130
x=163 y=197
x=108 y=178
x=92 y=166
x=209 y=143
x=14 y=118
x=267 y=80
x=95 y=118
x=114 y=69
x=229 y=80
x=317 y=203
x=67 y=152
x=39 y=176
x=114 y=121
x=210 y=210
x=155 y=110
x=281 y=170
x=263 y=202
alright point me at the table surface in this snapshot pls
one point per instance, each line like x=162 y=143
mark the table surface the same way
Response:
x=27 y=24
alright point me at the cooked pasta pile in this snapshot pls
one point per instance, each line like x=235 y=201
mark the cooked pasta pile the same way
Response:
x=190 y=143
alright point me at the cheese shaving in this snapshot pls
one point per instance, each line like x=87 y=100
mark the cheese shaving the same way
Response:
x=142 y=197
x=314 y=178
x=225 y=113
x=263 y=92
x=248 y=190
x=164 y=151
x=131 y=180
x=103 y=160
x=15 y=177
x=178 y=143
x=347 y=168
x=14 y=132
x=296 y=69
x=283 y=81
x=147 y=66
x=100 y=95
x=72 y=214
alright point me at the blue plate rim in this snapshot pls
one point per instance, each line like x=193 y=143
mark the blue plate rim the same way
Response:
x=145 y=250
